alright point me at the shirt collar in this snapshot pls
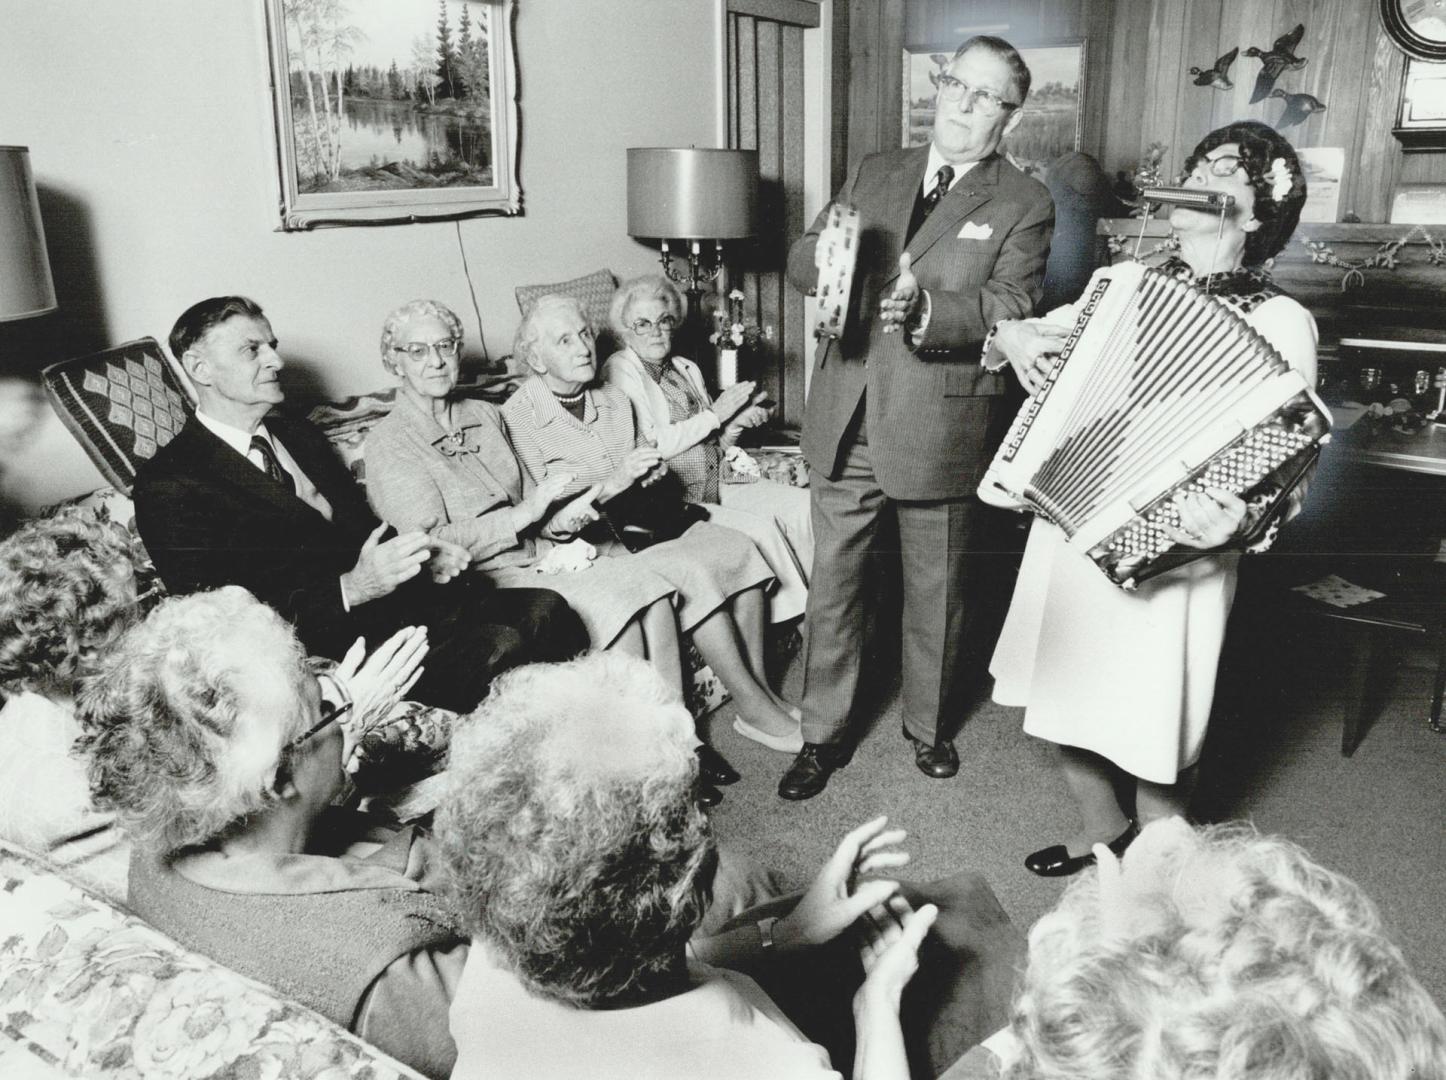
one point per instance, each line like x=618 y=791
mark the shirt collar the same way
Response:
x=237 y=439
x=937 y=162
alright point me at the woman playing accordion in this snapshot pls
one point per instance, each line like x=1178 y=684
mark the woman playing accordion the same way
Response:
x=1124 y=680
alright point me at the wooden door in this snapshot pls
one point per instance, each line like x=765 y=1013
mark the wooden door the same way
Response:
x=766 y=113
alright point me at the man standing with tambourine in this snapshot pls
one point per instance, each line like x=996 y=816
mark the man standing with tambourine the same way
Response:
x=952 y=239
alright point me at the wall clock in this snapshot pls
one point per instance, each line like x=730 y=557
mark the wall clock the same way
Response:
x=1418 y=27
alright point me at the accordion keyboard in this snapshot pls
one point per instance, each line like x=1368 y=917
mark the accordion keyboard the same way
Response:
x=1158 y=389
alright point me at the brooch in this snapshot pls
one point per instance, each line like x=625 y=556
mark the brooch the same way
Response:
x=458 y=442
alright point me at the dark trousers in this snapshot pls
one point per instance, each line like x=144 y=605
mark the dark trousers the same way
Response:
x=476 y=632
x=947 y=549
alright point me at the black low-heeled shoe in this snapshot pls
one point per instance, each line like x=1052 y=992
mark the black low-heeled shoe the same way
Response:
x=714 y=766
x=707 y=796
x=1056 y=861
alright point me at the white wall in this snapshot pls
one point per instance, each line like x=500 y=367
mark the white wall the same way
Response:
x=149 y=129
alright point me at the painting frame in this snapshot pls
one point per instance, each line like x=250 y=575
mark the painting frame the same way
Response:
x=1421 y=111
x=1073 y=50
x=413 y=197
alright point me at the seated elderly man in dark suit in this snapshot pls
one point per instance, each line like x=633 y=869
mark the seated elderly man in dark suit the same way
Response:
x=240 y=497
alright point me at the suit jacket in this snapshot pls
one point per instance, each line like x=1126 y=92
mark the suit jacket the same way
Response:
x=208 y=518
x=930 y=409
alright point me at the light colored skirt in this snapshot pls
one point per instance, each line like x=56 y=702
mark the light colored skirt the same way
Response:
x=1129 y=676
x=776 y=518
x=708 y=565
x=607 y=595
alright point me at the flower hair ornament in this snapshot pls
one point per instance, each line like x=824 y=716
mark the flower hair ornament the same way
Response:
x=1282 y=179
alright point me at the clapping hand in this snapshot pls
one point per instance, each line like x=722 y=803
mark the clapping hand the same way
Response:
x=575 y=515
x=381 y=568
x=1030 y=346
x=727 y=404
x=890 y=951
x=377 y=682
x=640 y=462
x=539 y=500
x=836 y=899
x=896 y=309
x=448 y=560
x=1208 y=519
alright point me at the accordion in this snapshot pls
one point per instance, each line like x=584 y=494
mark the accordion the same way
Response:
x=1158 y=389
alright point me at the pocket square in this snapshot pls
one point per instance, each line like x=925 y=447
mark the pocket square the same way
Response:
x=972 y=230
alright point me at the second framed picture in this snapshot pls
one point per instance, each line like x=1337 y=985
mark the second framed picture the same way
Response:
x=1053 y=113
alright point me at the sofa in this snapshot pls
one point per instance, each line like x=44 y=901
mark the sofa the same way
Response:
x=87 y=989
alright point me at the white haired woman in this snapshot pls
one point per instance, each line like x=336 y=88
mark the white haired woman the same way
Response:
x=206 y=737
x=564 y=423
x=1214 y=952
x=692 y=432
x=443 y=463
x=67 y=592
x=581 y=866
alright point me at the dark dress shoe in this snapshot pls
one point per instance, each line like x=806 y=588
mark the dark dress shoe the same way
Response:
x=707 y=795
x=809 y=773
x=714 y=768
x=1056 y=861
x=939 y=760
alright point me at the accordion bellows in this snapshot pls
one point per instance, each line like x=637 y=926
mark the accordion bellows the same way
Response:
x=1159 y=389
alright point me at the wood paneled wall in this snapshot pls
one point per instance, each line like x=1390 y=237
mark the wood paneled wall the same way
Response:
x=1351 y=66
x=1138 y=89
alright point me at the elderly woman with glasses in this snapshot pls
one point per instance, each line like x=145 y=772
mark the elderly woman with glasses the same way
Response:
x=207 y=738
x=443 y=463
x=581 y=867
x=692 y=431
x=1122 y=682
x=571 y=430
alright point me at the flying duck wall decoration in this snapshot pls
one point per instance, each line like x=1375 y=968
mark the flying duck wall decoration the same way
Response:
x=1281 y=57
x=1219 y=75
x=1298 y=107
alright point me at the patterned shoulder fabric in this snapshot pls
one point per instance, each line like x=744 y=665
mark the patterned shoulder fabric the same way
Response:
x=88 y=990
x=122 y=405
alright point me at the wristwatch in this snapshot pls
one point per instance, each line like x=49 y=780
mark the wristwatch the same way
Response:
x=765 y=932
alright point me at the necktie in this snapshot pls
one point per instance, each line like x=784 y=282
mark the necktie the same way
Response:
x=941 y=188
x=273 y=465
x=926 y=202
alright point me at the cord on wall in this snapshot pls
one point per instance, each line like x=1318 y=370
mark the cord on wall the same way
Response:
x=467 y=272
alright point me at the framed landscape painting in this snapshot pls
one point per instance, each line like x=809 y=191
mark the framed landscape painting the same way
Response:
x=393 y=111
x=1053 y=121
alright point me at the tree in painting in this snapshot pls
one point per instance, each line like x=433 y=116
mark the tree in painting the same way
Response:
x=373 y=108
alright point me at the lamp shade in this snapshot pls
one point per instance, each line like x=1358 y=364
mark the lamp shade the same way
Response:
x=25 y=285
x=691 y=194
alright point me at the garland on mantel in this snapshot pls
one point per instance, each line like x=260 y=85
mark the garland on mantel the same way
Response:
x=1385 y=258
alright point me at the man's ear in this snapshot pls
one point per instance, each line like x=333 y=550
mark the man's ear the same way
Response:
x=283 y=785
x=195 y=364
x=1013 y=122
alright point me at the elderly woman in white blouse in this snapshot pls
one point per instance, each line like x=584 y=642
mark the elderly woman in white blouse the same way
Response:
x=692 y=432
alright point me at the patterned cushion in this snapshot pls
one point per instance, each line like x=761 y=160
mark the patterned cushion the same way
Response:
x=122 y=405
x=593 y=291
x=87 y=990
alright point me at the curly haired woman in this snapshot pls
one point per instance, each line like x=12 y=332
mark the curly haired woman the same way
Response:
x=67 y=591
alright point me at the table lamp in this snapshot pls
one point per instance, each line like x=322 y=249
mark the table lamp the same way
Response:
x=26 y=288
x=693 y=195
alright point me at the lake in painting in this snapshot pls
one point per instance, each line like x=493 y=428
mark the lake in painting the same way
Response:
x=390 y=94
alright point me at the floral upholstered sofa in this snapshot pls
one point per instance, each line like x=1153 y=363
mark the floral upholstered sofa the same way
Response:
x=88 y=990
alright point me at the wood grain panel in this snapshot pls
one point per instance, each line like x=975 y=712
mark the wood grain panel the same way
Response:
x=1164 y=68
x=1195 y=113
x=1128 y=85
x=1378 y=156
x=791 y=344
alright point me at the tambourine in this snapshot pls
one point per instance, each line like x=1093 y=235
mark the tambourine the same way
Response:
x=834 y=255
